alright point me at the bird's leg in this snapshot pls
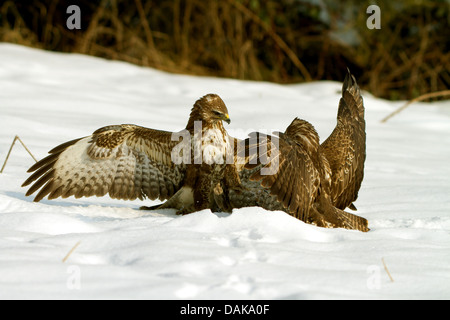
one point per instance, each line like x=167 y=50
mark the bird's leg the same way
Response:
x=202 y=193
x=220 y=199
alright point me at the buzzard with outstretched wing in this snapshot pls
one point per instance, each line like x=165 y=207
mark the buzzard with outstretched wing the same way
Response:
x=131 y=162
x=310 y=181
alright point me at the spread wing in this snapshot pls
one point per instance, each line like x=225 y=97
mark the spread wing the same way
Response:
x=290 y=173
x=345 y=148
x=124 y=161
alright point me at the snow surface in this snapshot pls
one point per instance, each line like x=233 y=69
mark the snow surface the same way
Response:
x=49 y=98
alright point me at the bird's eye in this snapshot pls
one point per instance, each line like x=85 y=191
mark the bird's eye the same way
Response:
x=217 y=113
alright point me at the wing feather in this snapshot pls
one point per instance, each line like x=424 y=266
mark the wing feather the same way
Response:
x=345 y=148
x=124 y=161
x=42 y=180
x=295 y=181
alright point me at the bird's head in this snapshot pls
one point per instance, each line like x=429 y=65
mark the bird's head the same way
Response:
x=303 y=133
x=209 y=108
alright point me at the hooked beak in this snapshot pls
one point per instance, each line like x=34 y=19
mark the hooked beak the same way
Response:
x=226 y=118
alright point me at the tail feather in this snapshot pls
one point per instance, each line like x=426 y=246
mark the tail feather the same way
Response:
x=352 y=221
x=338 y=218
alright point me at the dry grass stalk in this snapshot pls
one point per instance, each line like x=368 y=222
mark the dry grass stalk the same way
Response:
x=10 y=149
x=387 y=271
x=420 y=98
x=275 y=40
x=278 y=40
x=71 y=251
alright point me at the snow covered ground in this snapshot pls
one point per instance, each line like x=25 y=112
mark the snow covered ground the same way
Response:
x=120 y=252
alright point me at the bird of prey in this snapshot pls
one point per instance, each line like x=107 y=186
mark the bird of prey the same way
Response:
x=313 y=182
x=129 y=162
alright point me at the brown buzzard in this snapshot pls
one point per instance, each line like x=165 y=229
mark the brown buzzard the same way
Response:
x=129 y=162
x=310 y=181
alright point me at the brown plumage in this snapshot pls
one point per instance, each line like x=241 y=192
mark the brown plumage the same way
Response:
x=310 y=181
x=129 y=162
x=345 y=148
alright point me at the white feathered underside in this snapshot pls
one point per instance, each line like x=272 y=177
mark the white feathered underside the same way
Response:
x=124 y=173
x=212 y=145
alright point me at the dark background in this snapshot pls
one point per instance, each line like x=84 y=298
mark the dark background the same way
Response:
x=284 y=41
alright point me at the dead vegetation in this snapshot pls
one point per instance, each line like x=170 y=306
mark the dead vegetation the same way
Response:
x=281 y=41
